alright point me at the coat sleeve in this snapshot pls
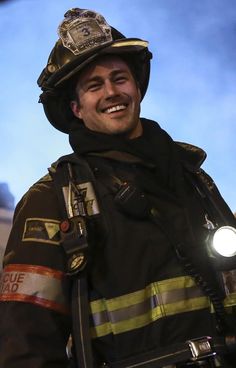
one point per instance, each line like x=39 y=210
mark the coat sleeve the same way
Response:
x=34 y=290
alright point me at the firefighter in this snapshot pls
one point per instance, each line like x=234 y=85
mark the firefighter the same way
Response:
x=110 y=261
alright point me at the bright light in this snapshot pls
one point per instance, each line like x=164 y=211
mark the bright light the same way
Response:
x=224 y=241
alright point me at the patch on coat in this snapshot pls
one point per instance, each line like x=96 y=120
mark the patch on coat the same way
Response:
x=73 y=205
x=42 y=230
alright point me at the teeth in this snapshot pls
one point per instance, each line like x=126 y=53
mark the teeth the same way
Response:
x=115 y=108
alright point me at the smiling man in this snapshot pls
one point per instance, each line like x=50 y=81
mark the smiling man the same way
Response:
x=108 y=98
x=109 y=262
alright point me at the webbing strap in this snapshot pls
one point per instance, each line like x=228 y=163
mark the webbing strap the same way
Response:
x=174 y=354
x=80 y=328
x=73 y=242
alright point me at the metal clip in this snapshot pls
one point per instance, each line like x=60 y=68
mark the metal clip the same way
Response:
x=201 y=348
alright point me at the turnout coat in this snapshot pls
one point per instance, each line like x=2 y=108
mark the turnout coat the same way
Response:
x=147 y=256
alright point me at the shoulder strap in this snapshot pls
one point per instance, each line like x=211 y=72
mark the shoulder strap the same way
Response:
x=70 y=176
x=221 y=215
x=211 y=197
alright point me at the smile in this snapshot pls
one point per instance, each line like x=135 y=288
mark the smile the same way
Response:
x=112 y=109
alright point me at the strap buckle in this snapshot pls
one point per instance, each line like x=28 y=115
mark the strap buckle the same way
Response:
x=201 y=348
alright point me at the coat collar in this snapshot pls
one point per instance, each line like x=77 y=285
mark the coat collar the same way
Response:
x=192 y=156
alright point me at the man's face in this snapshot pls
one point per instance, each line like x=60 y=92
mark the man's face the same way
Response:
x=108 y=98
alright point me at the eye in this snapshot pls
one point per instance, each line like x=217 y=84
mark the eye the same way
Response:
x=120 y=78
x=93 y=86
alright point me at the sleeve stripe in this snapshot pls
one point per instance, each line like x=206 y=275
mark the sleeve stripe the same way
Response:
x=38 y=285
x=40 y=270
x=34 y=300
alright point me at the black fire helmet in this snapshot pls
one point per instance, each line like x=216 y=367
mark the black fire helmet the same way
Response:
x=84 y=35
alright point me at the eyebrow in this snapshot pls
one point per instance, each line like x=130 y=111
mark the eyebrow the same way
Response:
x=98 y=78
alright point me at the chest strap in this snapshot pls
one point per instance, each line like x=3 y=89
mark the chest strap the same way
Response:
x=73 y=208
x=203 y=349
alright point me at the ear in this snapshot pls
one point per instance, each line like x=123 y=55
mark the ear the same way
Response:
x=139 y=90
x=139 y=93
x=76 y=109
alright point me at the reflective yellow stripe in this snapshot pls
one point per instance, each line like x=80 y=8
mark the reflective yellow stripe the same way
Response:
x=145 y=306
x=230 y=300
x=127 y=325
x=130 y=43
x=149 y=317
x=187 y=305
x=140 y=295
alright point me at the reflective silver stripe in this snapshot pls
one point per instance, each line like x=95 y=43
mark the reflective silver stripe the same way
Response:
x=34 y=284
x=147 y=305
x=180 y=294
x=140 y=308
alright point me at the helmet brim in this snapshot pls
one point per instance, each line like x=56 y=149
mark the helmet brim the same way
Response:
x=55 y=102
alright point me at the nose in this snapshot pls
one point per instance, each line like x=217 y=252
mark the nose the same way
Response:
x=111 y=89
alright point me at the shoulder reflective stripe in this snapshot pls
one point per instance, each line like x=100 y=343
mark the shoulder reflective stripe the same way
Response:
x=34 y=284
x=145 y=306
